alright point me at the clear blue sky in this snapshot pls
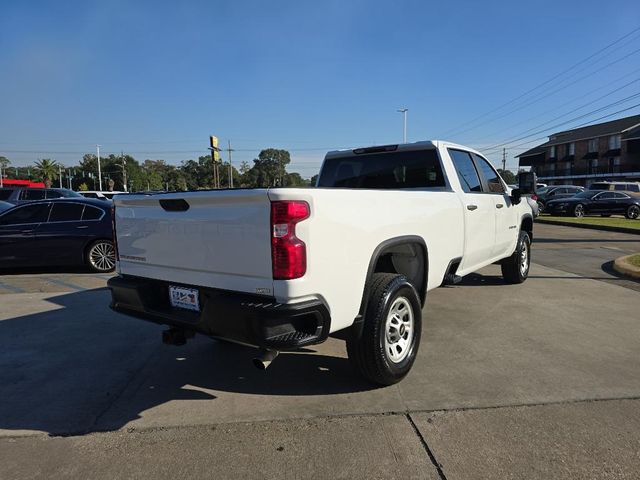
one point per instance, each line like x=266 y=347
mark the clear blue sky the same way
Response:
x=155 y=79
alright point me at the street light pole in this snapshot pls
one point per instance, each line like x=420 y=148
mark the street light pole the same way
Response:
x=404 y=111
x=99 y=171
x=60 y=174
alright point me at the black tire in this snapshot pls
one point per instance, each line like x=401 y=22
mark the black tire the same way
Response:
x=633 y=212
x=368 y=353
x=100 y=256
x=578 y=211
x=515 y=269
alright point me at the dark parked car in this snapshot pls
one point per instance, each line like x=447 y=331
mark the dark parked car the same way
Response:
x=554 y=192
x=596 y=202
x=20 y=195
x=58 y=232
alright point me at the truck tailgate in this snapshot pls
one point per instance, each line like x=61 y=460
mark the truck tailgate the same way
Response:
x=218 y=239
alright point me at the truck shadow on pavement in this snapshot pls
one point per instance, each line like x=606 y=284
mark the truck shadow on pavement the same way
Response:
x=78 y=367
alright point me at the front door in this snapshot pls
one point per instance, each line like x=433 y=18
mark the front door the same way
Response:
x=479 y=212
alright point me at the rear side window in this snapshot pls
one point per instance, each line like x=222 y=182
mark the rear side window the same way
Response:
x=5 y=194
x=599 y=186
x=634 y=187
x=573 y=190
x=90 y=195
x=620 y=195
x=32 y=194
x=26 y=214
x=92 y=213
x=466 y=171
x=66 y=212
x=606 y=196
x=389 y=170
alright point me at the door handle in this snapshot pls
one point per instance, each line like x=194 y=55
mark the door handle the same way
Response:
x=82 y=227
x=472 y=207
x=499 y=205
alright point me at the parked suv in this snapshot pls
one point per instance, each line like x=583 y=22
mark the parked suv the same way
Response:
x=19 y=195
x=633 y=187
x=554 y=192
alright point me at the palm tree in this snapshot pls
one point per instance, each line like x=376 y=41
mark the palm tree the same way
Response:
x=48 y=170
x=4 y=163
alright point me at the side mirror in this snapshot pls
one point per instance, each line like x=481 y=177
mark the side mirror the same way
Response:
x=516 y=196
x=527 y=183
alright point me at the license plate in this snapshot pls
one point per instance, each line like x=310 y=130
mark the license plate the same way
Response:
x=187 y=298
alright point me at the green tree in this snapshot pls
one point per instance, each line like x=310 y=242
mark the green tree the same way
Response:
x=507 y=176
x=269 y=169
x=47 y=169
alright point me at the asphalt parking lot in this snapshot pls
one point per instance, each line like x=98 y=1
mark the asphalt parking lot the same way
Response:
x=538 y=380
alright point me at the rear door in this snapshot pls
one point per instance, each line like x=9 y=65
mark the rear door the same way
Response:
x=479 y=212
x=64 y=234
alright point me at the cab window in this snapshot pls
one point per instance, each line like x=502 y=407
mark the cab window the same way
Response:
x=467 y=174
x=490 y=175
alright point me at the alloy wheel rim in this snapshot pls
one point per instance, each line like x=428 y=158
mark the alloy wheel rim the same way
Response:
x=399 y=330
x=102 y=256
x=524 y=259
x=579 y=211
x=634 y=212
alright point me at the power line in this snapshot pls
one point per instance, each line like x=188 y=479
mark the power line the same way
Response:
x=560 y=106
x=546 y=82
x=547 y=95
x=492 y=150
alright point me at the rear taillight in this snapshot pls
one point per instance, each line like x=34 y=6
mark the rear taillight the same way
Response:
x=288 y=252
x=534 y=197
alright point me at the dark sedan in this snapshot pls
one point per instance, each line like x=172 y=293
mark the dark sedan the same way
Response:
x=594 y=202
x=555 y=192
x=58 y=232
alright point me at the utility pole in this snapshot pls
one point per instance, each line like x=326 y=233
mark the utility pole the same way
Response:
x=60 y=174
x=229 y=150
x=215 y=156
x=69 y=177
x=504 y=159
x=404 y=111
x=99 y=171
x=124 y=171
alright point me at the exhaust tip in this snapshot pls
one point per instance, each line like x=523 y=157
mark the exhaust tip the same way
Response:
x=264 y=358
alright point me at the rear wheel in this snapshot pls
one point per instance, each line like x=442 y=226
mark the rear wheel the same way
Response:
x=633 y=212
x=578 y=211
x=101 y=256
x=515 y=269
x=390 y=338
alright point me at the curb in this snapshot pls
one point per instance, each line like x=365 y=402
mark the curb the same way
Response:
x=605 y=228
x=621 y=265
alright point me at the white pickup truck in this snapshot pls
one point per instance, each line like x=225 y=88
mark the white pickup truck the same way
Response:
x=282 y=268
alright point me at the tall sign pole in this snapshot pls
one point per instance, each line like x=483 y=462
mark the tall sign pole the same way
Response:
x=215 y=156
x=229 y=149
x=99 y=170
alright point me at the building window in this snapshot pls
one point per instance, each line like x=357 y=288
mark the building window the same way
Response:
x=616 y=160
x=552 y=152
x=571 y=148
x=614 y=142
x=593 y=145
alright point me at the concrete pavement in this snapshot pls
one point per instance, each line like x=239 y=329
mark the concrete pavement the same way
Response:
x=69 y=366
